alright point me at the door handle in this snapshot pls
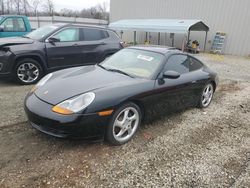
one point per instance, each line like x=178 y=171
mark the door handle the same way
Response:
x=103 y=43
x=75 y=44
x=193 y=82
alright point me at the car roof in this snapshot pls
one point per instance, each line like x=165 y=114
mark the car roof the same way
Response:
x=156 y=48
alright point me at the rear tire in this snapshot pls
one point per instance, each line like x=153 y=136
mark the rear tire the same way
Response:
x=206 y=95
x=124 y=124
x=28 y=71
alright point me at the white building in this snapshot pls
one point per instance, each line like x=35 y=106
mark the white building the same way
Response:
x=229 y=16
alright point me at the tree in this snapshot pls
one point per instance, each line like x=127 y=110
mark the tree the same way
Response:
x=46 y=7
x=49 y=7
x=8 y=5
x=68 y=12
x=99 y=11
x=2 y=6
x=35 y=5
x=85 y=13
x=18 y=6
x=25 y=6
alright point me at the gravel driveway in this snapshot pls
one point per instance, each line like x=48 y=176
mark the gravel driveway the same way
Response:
x=192 y=148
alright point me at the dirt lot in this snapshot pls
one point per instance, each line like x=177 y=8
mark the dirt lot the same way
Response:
x=194 y=148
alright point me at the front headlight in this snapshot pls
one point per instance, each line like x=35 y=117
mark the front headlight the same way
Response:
x=41 y=82
x=75 y=104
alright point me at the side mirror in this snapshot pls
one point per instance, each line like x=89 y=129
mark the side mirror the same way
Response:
x=171 y=74
x=53 y=40
x=1 y=29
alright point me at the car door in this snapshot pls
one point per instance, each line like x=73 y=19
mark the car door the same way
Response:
x=65 y=51
x=175 y=94
x=93 y=45
x=13 y=26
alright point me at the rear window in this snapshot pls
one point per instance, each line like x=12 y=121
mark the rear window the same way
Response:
x=94 y=34
x=178 y=63
x=194 y=64
x=21 y=24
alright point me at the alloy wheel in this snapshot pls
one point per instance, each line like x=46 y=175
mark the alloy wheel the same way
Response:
x=125 y=124
x=207 y=95
x=28 y=72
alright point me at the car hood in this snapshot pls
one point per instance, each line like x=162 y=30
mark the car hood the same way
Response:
x=75 y=81
x=11 y=41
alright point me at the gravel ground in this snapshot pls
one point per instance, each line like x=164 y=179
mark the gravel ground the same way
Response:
x=193 y=148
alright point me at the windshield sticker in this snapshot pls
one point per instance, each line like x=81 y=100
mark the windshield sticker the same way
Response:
x=145 y=58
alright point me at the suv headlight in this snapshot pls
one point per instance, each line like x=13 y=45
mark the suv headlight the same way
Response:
x=75 y=104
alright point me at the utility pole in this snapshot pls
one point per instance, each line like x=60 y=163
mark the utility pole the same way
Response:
x=2 y=4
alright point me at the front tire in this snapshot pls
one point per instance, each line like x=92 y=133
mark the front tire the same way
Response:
x=124 y=124
x=28 y=71
x=206 y=95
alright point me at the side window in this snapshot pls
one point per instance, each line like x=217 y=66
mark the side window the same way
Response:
x=13 y=25
x=105 y=34
x=68 y=35
x=21 y=25
x=8 y=25
x=94 y=34
x=178 y=63
x=194 y=64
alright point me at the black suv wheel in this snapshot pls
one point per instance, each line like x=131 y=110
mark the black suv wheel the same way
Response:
x=28 y=71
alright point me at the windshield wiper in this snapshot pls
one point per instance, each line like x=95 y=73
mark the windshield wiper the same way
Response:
x=115 y=70
x=119 y=71
x=102 y=66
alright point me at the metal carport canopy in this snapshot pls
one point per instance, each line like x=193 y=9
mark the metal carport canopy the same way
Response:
x=159 y=25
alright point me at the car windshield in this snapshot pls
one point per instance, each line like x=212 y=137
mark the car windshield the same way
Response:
x=41 y=32
x=138 y=63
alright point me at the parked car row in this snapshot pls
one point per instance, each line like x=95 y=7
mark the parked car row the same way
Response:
x=28 y=58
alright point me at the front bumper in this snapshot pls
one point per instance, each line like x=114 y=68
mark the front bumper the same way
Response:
x=87 y=126
x=5 y=75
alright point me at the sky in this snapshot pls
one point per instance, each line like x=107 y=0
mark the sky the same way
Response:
x=77 y=4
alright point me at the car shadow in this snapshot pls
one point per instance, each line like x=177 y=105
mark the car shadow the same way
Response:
x=8 y=82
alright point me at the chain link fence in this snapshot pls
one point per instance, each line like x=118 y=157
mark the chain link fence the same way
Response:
x=37 y=22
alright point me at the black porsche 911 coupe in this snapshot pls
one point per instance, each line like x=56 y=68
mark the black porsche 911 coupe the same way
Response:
x=110 y=100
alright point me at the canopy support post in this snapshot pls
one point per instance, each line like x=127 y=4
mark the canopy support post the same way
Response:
x=165 y=41
x=172 y=37
x=188 y=36
x=159 y=38
x=134 y=37
x=205 y=42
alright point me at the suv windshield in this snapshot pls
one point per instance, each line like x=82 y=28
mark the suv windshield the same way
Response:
x=134 y=62
x=41 y=32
